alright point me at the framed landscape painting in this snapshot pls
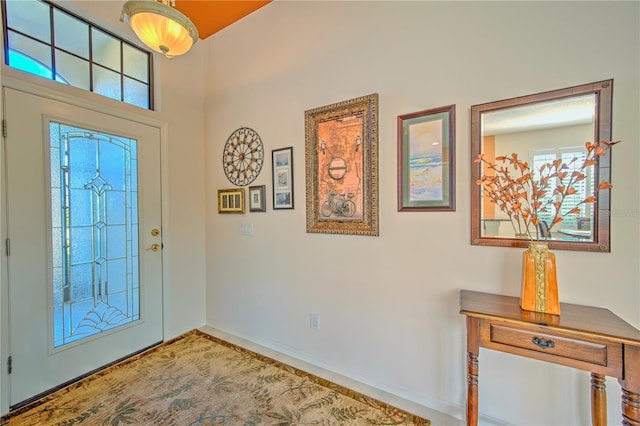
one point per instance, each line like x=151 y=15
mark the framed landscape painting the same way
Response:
x=426 y=160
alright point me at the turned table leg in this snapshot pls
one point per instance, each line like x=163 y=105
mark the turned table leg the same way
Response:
x=473 y=348
x=630 y=408
x=598 y=400
x=472 y=389
x=631 y=386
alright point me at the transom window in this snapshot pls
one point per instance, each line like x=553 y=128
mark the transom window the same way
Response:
x=45 y=40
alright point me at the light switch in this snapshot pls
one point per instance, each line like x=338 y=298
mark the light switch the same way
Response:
x=246 y=229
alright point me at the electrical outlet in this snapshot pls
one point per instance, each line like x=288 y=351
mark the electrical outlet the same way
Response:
x=314 y=322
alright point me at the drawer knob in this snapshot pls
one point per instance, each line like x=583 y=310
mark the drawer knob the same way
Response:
x=543 y=343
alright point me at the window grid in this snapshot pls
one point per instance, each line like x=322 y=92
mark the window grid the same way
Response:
x=53 y=48
x=584 y=188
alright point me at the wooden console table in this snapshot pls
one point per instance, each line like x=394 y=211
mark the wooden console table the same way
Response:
x=588 y=338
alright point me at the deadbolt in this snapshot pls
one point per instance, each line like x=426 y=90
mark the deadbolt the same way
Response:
x=155 y=232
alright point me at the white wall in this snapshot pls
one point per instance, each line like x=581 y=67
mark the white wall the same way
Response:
x=179 y=104
x=388 y=305
x=525 y=143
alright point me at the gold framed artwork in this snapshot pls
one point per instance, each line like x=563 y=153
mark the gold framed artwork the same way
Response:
x=341 y=156
x=231 y=200
x=257 y=202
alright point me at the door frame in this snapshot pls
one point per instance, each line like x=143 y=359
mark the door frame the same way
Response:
x=48 y=90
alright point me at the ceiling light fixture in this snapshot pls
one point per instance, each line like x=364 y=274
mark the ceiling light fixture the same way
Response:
x=160 y=26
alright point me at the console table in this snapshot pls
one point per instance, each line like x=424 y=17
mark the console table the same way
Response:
x=584 y=337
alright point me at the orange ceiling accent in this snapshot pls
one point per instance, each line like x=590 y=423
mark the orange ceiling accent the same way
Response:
x=210 y=16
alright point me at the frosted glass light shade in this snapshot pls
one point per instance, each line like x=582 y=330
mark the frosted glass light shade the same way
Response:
x=160 y=26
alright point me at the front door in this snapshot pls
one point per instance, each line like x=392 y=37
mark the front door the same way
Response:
x=84 y=240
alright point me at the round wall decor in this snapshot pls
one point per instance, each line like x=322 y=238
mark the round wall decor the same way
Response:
x=243 y=156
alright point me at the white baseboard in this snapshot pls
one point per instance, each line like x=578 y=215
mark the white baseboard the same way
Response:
x=440 y=413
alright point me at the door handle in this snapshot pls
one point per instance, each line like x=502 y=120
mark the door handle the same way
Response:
x=155 y=247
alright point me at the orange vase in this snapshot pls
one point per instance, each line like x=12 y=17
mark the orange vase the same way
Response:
x=539 y=280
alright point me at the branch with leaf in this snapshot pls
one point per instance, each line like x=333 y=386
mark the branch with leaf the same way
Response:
x=521 y=193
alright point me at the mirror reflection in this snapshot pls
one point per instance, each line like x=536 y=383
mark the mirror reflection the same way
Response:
x=540 y=129
x=540 y=134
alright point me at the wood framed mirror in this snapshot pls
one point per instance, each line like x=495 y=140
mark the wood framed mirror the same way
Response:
x=540 y=128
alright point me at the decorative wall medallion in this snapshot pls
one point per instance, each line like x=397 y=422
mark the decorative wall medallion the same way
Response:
x=337 y=168
x=243 y=156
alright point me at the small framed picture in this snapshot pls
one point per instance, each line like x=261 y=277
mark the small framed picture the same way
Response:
x=282 y=178
x=257 y=201
x=231 y=200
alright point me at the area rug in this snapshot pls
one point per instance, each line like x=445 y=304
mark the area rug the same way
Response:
x=197 y=379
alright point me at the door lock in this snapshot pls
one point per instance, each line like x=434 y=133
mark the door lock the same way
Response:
x=155 y=232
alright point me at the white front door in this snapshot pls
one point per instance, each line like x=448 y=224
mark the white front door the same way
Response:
x=84 y=240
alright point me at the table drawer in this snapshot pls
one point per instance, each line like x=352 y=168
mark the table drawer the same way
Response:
x=580 y=350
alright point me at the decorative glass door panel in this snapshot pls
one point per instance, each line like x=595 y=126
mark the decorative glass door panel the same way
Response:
x=84 y=221
x=94 y=232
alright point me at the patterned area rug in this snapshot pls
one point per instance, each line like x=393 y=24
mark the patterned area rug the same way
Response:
x=197 y=379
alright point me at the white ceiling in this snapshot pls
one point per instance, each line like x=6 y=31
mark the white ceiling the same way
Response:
x=557 y=113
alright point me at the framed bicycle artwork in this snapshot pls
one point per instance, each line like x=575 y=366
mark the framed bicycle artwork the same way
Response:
x=341 y=156
x=282 y=167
